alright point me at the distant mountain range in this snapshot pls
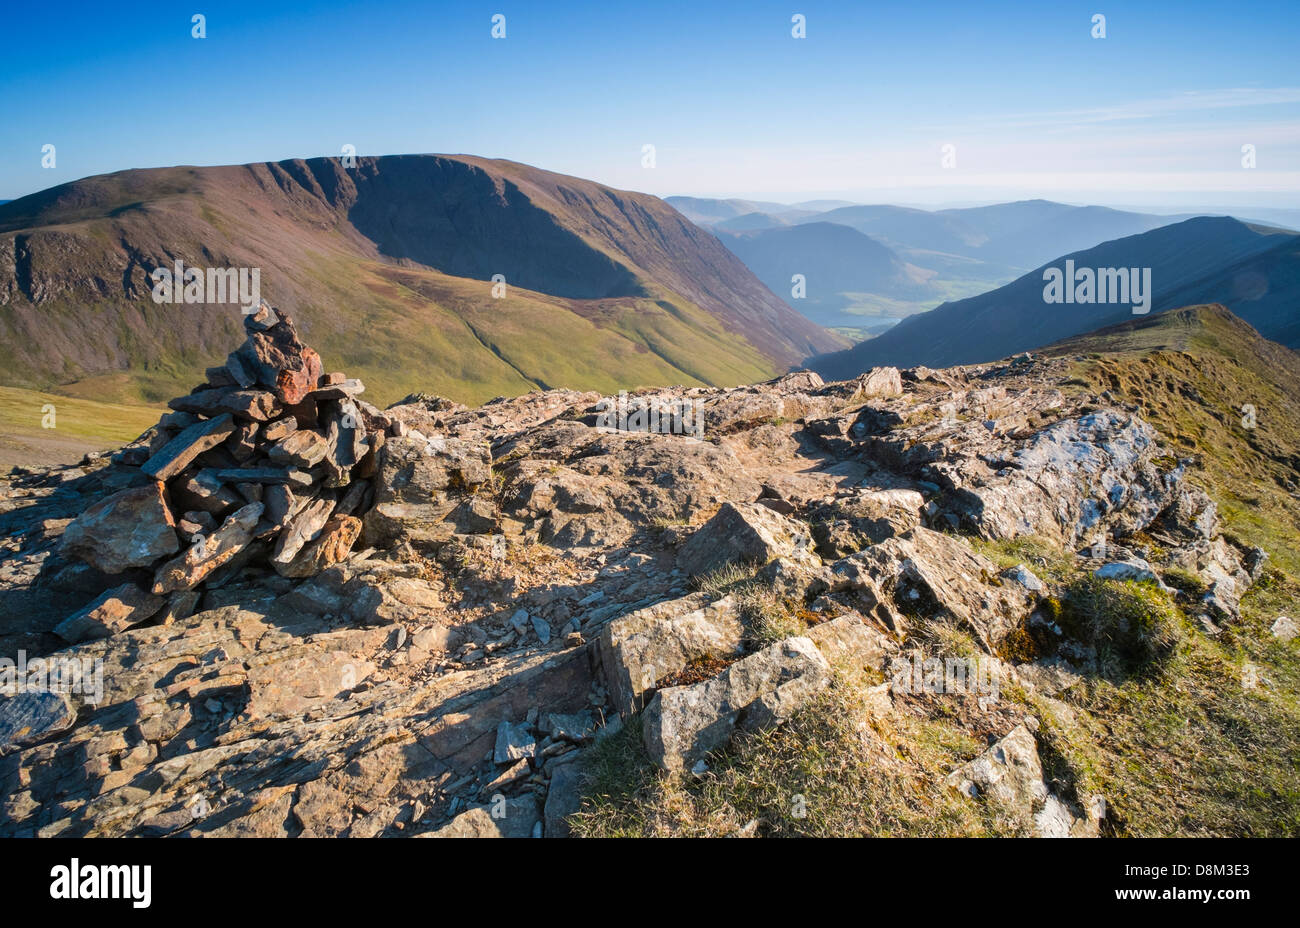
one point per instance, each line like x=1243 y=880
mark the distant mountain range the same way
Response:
x=388 y=268
x=1253 y=270
x=708 y=211
x=950 y=253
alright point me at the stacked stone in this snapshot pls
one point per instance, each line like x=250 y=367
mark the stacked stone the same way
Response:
x=268 y=462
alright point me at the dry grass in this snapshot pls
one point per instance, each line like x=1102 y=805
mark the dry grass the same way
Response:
x=836 y=769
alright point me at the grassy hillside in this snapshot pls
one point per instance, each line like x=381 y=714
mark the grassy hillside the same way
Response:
x=75 y=427
x=387 y=268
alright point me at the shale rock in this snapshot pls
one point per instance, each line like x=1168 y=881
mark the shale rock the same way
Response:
x=132 y=528
x=117 y=610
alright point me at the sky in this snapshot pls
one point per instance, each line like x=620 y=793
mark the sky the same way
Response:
x=1156 y=112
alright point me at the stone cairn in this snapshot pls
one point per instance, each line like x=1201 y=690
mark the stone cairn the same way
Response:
x=268 y=463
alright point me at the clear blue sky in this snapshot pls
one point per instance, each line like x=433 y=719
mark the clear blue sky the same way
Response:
x=1158 y=110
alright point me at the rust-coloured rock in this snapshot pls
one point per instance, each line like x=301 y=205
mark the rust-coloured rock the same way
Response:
x=132 y=528
x=330 y=546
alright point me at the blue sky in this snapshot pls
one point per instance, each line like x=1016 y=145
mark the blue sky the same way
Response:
x=1156 y=112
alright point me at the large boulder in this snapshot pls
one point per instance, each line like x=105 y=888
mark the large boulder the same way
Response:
x=646 y=646
x=419 y=483
x=131 y=528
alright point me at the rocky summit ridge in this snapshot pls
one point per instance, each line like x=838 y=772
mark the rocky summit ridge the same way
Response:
x=315 y=617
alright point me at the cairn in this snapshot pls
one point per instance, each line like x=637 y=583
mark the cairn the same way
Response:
x=267 y=463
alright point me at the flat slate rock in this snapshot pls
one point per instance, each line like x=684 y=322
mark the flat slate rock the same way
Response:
x=30 y=716
x=114 y=611
x=177 y=454
x=264 y=475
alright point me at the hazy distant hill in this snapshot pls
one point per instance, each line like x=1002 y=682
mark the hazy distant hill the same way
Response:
x=711 y=211
x=952 y=253
x=387 y=268
x=706 y=211
x=1021 y=235
x=1255 y=273
x=748 y=222
x=1027 y=233
x=840 y=266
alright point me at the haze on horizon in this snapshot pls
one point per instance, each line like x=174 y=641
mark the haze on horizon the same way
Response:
x=1155 y=114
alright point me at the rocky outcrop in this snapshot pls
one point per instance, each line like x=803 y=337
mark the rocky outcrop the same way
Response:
x=929 y=574
x=743 y=534
x=319 y=618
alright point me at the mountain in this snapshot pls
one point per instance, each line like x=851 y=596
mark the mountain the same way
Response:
x=911 y=228
x=1254 y=272
x=1023 y=234
x=386 y=267
x=748 y=222
x=1030 y=232
x=840 y=266
x=952 y=254
x=709 y=210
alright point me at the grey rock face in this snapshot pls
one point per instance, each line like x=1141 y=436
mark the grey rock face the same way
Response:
x=1010 y=774
x=683 y=723
x=743 y=533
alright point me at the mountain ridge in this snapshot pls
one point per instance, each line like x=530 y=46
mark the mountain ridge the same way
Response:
x=1216 y=259
x=399 y=250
